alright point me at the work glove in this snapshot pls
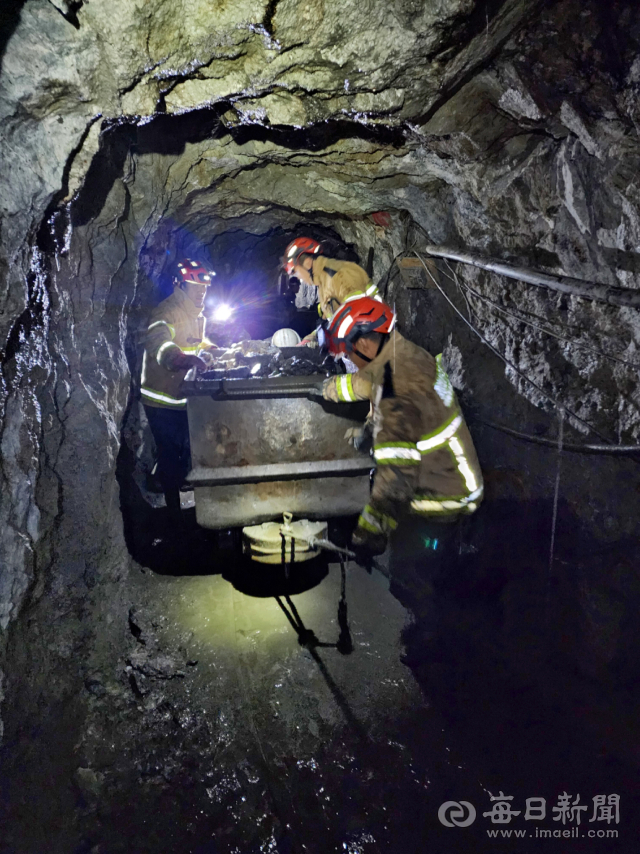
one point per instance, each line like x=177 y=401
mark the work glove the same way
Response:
x=176 y=360
x=329 y=391
x=309 y=341
x=315 y=391
x=360 y=437
x=367 y=544
x=354 y=436
x=208 y=358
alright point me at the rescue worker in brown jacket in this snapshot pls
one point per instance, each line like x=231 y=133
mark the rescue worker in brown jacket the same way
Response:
x=336 y=281
x=427 y=472
x=174 y=343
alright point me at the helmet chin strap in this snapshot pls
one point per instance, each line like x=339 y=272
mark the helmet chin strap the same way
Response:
x=383 y=341
x=362 y=355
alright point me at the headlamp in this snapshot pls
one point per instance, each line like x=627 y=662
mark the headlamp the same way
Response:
x=222 y=312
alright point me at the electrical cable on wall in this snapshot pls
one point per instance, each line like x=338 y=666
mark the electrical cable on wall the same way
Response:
x=619 y=450
x=464 y=287
x=509 y=364
x=384 y=288
x=456 y=280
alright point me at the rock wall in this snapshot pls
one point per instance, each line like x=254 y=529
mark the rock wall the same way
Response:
x=134 y=129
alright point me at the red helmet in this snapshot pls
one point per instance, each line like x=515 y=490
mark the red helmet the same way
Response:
x=356 y=317
x=192 y=271
x=300 y=246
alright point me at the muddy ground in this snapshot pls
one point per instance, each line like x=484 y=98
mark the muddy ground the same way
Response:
x=201 y=723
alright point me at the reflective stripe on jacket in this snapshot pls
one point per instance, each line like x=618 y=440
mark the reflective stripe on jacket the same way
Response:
x=425 y=459
x=176 y=322
x=337 y=281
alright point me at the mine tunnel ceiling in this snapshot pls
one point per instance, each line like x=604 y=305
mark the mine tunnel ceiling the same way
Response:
x=135 y=133
x=299 y=104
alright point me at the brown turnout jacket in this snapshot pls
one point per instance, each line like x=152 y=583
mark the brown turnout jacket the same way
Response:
x=337 y=280
x=175 y=322
x=425 y=459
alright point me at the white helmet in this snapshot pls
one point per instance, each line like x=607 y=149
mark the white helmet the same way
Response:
x=285 y=338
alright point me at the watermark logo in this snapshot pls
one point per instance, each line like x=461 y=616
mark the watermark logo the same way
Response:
x=457 y=814
x=573 y=816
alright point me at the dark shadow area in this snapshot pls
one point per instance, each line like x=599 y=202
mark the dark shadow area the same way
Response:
x=9 y=20
x=162 y=135
x=169 y=135
x=526 y=687
x=249 y=279
x=71 y=15
x=264 y=581
x=320 y=136
x=106 y=167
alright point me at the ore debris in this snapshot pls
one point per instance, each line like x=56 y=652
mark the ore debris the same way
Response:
x=259 y=359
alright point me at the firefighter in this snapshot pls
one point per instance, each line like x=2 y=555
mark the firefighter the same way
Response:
x=335 y=280
x=427 y=473
x=174 y=343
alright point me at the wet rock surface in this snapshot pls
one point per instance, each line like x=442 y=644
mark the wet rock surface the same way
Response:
x=132 y=135
x=203 y=724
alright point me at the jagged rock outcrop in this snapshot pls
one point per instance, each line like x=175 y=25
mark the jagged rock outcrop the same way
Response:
x=91 y=66
x=132 y=133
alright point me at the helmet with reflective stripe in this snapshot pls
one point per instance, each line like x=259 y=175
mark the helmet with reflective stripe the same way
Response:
x=192 y=271
x=299 y=246
x=355 y=318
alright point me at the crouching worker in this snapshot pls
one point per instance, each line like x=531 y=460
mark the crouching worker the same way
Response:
x=427 y=473
x=174 y=343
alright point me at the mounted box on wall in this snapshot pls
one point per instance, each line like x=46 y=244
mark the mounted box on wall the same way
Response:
x=415 y=276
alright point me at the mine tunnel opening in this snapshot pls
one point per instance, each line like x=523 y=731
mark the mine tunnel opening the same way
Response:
x=249 y=299
x=246 y=256
x=156 y=664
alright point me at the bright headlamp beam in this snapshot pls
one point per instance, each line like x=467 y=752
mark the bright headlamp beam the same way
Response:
x=222 y=312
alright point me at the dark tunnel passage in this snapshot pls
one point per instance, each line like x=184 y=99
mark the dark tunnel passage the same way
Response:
x=162 y=689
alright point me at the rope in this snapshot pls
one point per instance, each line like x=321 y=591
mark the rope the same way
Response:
x=556 y=493
x=345 y=642
x=554 y=522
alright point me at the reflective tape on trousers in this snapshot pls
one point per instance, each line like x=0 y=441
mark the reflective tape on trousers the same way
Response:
x=369 y=523
x=438 y=508
x=464 y=468
x=374 y=520
x=446 y=505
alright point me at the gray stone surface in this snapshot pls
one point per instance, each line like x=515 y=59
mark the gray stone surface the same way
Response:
x=134 y=132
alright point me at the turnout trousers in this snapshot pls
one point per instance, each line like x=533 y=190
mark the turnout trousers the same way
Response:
x=422 y=552
x=170 y=429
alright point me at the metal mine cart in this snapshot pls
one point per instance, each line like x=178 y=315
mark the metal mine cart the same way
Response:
x=267 y=446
